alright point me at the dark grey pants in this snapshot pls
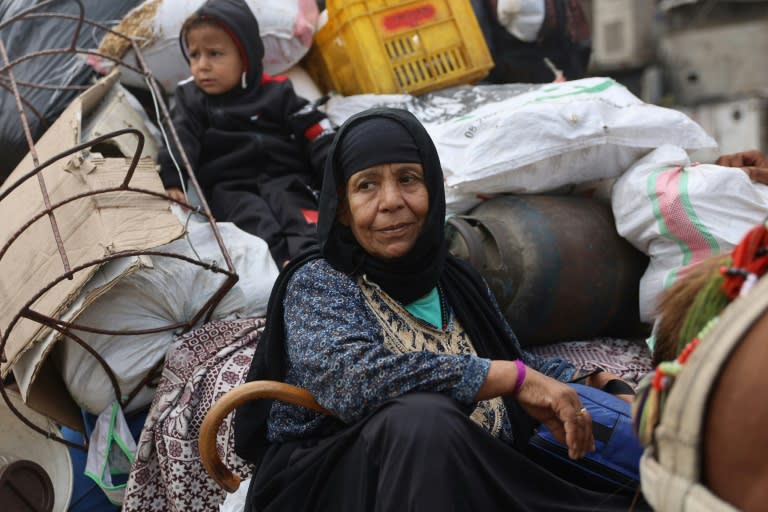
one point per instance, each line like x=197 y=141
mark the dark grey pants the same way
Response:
x=271 y=209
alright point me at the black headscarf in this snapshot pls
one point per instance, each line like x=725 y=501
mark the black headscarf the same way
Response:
x=375 y=137
x=406 y=278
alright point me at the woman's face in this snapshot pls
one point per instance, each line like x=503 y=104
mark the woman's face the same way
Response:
x=385 y=207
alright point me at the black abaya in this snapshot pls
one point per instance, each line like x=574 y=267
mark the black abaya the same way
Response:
x=419 y=452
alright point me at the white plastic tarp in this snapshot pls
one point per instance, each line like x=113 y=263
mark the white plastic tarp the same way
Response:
x=518 y=138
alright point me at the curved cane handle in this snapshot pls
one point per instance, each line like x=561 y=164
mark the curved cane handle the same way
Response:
x=256 y=390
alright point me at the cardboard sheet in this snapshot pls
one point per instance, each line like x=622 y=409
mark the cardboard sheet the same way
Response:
x=90 y=228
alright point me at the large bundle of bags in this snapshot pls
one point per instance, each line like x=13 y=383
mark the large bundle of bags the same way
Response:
x=589 y=136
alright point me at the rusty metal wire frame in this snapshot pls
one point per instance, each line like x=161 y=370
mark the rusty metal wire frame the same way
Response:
x=9 y=83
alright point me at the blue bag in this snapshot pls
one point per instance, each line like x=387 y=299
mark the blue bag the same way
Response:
x=614 y=465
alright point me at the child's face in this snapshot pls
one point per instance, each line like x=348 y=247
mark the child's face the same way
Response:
x=213 y=59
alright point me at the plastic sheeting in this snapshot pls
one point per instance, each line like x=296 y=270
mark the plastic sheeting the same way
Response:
x=27 y=36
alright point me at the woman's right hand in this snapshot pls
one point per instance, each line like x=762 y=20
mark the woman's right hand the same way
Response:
x=559 y=408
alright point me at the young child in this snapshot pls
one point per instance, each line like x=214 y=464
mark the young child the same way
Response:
x=256 y=148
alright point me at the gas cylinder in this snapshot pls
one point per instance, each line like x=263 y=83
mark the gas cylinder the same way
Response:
x=557 y=266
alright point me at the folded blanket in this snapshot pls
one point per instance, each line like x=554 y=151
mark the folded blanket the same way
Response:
x=629 y=359
x=201 y=366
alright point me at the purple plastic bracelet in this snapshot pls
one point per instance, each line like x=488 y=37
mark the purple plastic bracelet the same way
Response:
x=520 y=376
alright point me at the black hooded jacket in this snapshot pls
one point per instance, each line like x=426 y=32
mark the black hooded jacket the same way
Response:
x=262 y=129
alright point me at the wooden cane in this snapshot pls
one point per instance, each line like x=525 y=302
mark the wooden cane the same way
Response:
x=256 y=390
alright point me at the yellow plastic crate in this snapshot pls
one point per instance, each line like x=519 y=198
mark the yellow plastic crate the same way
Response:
x=398 y=46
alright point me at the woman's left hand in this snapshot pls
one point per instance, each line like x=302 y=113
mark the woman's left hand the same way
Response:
x=558 y=406
x=549 y=401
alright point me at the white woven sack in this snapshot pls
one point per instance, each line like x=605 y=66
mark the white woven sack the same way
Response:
x=680 y=214
x=168 y=292
x=559 y=134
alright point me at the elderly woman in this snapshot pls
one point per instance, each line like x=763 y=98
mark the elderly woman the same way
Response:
x=431 y=394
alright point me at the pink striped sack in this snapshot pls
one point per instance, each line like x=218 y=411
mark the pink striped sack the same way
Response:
x=679 y=213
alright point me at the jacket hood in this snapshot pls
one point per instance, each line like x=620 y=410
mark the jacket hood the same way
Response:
x=238 y=20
